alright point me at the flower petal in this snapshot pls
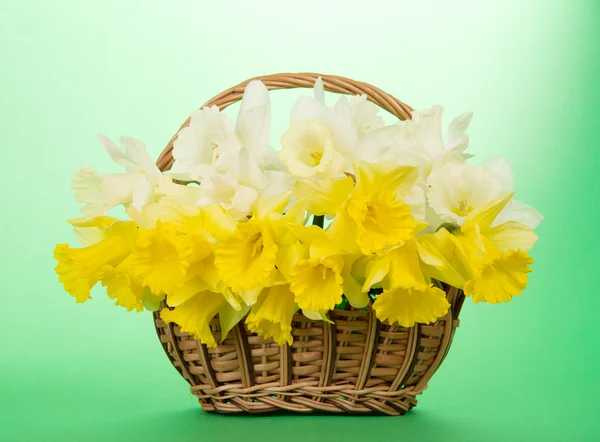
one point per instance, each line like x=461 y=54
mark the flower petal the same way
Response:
x=254 y=118
x=317 y=283
x=324 y=196
x=229 y=317
x=271 y=316
x=500 y=278
x=512 y=235
x=484 y=216
x=407 y=306
x=520 y=212
x=194 y=316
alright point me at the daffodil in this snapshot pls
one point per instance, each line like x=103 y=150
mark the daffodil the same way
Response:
x=374 y=215
x=492 y=232
x=317 y=283
x=79 y=269
x=271 y=316
x=101 y=192
x=201 y=147
x=457 y=188
x=226 y=190
x=90 y=231
x=407 y=306
x=119 y=280
x=161 y=258
x=494 y=260
x=194 y=315
x=419 y=142
x=122 y=286
x=308 y=150
x=499 y=276
x=409 y=295
x=234 y=163
x=211 y=142
x=340 y=120
x=319 y=271
x=246 y=259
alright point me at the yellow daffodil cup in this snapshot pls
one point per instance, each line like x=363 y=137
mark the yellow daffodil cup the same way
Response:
x=325 y=274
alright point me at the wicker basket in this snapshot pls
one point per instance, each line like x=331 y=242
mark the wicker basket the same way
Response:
x=355 y=365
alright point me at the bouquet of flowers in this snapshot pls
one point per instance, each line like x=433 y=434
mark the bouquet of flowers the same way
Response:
x=348 y=210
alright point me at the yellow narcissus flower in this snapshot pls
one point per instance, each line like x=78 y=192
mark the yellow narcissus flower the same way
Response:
x=319 y=271
x=79 y=269
x=122 y=286
x=494 y=259
x=161 y=258
x=409 y=295
x=308 y=149
x=246 y=259
x=499 y=276
x=194 y=315
x=271 y=316
x=317 y=283
x=375 y=215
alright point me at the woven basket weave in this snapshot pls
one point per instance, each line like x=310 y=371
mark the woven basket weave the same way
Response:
x=355 y=365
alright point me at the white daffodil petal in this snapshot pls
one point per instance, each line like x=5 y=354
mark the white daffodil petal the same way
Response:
x=319 y=91
x=116 y=154
x=247 y=171
x=520 y=212
x=101 y=192
x=137 y=154
x=202 y=142
x=375 y=145
x=365 y=114
x=307 y=108
x=277 y=182
x=502 y=169
x=341 y=125
x=458 y=126
x=142 y=191
x=254 y=118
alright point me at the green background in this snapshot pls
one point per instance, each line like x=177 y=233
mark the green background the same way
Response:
x=524 y=371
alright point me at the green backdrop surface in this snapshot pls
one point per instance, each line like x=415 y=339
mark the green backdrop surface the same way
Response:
x=524 y=371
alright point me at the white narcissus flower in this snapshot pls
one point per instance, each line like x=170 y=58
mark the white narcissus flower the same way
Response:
x=101 y=192
x=212 y=142
x=234 y=163
x=238 y=188
x=253 y=126
x=457 y=188
x=419 y=142
x=329 y=134
x=308 y=150
x=201 y=146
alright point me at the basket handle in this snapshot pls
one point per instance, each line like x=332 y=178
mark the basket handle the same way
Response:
x=331 y=83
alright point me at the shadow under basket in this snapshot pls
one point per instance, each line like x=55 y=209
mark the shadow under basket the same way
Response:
x=357 y=364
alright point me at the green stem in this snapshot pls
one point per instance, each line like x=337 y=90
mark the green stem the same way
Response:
x=318 y=220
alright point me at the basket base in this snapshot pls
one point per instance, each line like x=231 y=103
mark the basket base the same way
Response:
x=306 y=398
